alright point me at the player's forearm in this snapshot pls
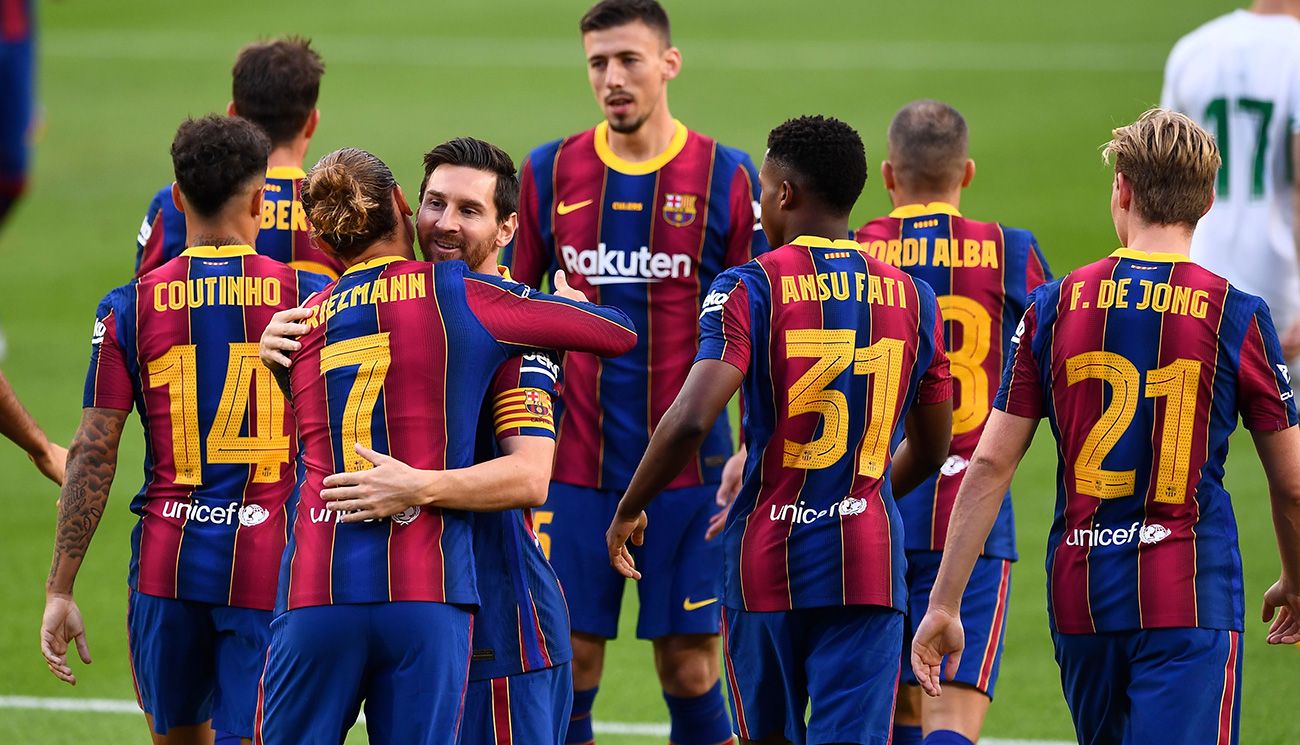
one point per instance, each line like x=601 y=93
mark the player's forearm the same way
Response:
x=504 y=483
x=974 y=512
x=92 y=463
x=18 y=425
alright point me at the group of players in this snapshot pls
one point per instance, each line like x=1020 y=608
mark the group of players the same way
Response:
x=394 y=530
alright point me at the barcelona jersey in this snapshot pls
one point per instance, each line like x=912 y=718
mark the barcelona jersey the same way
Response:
x=285 y=234
x=398 y=358
x=523 y=623
x=1143 y=363
x=180 y=346
x=648 y=238
x=982 y=273
x=836 y=347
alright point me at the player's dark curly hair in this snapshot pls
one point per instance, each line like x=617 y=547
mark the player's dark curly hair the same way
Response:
x=824 y=155
x=483 y=156
x=276 y=84
x=348 y=199
x=614 y=13
x=215 y=157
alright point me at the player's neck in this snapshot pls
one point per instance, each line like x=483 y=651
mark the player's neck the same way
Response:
x=288 y=155
x=1276 y=7
x=648 y=141
x=902 y=198
x=1167 y=239
x=218 y=231
x=380 y=249
x=820 y=226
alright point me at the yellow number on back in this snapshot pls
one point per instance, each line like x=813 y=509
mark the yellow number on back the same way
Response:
x=1179 y=383
x=177 y=369
x=542 y=518
x=372 y=357
x=972 y=405
x=883 y=361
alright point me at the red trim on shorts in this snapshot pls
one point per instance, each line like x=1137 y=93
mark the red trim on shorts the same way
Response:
x=995 y=630
x=1228 y=700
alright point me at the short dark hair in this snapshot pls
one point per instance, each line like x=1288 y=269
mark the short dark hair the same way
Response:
x=613 y=13
x=348 y=199
x=215 y=157
x=928 y=145
x=484 y=156
x=825 y=155
x=276 y=84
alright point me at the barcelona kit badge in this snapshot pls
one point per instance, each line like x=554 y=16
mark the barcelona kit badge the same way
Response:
x=679 y=209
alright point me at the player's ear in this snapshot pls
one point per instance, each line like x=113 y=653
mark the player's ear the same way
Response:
x=506 y=230
x=887 y=175
x=399 y=201
x=672 y=62
x=309 y=129
x=230 y=109
x=255 y=206
x=968 y=173
x=1123 y=192
x=176 y=197
x=785 y=197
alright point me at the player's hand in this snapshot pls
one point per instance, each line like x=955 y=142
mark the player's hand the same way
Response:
x=616 y=538
x=62 y=623
x=732 y=474
x=279 y=340
x=562 y=289
x=383 y=491
x=1282 y=607
x=1291 y=340
x=717 y=523
x=939 y=635
x=53 y=462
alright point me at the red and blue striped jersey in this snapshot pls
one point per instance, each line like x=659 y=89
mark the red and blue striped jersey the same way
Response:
x=982 y=273
x=180 y=346
x=835 y=347
x=523 y=621
x=648 y=238
x=285 y=234
x=1142 y=363
x=15 y=21
x=399 y=357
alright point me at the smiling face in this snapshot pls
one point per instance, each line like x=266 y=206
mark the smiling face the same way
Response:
x=457 y=219
x=629 y=67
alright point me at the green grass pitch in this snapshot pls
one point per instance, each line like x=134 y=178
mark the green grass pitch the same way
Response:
x=1041 y=85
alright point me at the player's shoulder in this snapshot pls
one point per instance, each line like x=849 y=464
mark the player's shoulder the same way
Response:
x=884 y=227
x=284 y=174
x=1209 y=32
x=1017 y=240
x=547 y=151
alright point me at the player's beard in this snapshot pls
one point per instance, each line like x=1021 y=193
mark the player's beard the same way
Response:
x=626 y=126
x=471 y=253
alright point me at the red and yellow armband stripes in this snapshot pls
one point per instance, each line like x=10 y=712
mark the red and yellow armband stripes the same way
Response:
x=523 y=412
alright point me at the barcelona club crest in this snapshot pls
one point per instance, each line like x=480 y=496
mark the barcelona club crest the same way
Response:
x=537 y=403
x=679 y=209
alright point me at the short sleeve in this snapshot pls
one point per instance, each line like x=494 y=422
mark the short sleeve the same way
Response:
x=936 y=382
x=1264 y=395
x=108 y=381
x=523 y=396
x=310 y=283
x=1021 y=391
x=725 y=322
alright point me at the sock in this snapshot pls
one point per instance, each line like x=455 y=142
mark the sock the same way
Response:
x=225 y=738
x=580 y=720
x=907 y=735
x=946 y=737
x=701 y=720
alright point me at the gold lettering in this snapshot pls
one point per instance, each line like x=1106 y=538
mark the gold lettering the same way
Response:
x=379 y=292
x=941 y=251
x=990 y=257
x=789 y=291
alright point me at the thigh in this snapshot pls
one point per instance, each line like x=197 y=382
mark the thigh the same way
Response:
x=242 y=636
x=312 y=684
x=681 y=572
x=172 y=651
x=529 y=708
x=851 y=661
x=765 y=674
x=1094 y=678
x=1186 y=686
x=419 y=669
x=571 y=526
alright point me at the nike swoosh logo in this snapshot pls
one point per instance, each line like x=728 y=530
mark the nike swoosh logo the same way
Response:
x=688 y=605
x=564 y=209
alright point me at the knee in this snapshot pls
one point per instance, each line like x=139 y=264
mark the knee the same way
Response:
x=688 y=669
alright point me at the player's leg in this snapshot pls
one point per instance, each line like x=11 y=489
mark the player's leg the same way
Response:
x=1095 y=676
x=850 y=659
x=312 y=684
x=242 y=636
x=171 y=644
x=1185 y=687
x=680 y=612
x=418 y=672
x=765 y=675
x=571 y=527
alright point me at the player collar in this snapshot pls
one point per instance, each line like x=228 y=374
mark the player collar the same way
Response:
x=627 y=167
x=1128 y=253
x=218 y=252
x=933 y=208
x=816 y=241
x=371 y=263
x=504 y=271
x=285 y=172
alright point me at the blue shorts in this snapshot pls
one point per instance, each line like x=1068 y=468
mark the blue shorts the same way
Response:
x=1152 y=686
x=529 y=708
x=681 y=573
x=196 y=661
x=408 y=661
x=983 y=616
x=843 y=660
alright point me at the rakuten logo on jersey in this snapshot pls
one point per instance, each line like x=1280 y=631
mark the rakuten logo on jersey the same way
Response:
x=605 y=266
x=249 y=515
x=1089 y=537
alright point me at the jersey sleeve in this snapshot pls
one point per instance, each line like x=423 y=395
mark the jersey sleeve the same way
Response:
x=1021 y=391
x=936 y=382
x=162 y=234
x=528 y=256
x=523 y=319
x=523 y=396
x=745 y=237
x=310 y=283
x=1264 y=395
x=108 y=381
x=725 y=322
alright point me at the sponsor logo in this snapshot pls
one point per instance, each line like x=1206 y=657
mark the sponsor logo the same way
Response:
x=853 y=506
x=541 y=364
x=564 y=209
x=801 y=514
x=714 y=302
x=251 y=515
x=605 y=266
x=407 y=516
x=690 y=605
x=679 y=209
x=1020 y=331
x=197 y=512
x=97 y=336
x=146 y=230
x=758 y=214
x=1089 y=537
x=627 y=206
x=954 y=465
x=1286 y=373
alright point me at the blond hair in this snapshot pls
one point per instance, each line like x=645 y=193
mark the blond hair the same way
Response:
x=1171 y=163
x=347 y=197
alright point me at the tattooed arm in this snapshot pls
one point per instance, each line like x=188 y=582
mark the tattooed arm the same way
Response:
x=18 y=425
x=92 y=462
